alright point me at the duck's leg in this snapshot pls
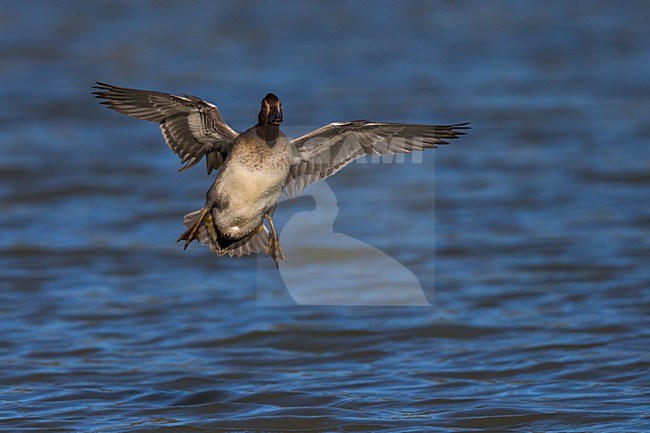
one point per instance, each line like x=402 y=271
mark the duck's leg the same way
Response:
x=212 y=234
x=192 y=233
x=274 y=249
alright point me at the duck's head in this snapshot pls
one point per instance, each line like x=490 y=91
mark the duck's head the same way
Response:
x=271 y=111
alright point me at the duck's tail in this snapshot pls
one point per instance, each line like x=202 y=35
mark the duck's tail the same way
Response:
x=207 y=234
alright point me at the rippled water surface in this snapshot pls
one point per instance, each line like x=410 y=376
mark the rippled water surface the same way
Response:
x=530 y=236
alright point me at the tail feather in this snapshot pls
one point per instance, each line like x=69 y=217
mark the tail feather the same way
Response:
x=255 y=242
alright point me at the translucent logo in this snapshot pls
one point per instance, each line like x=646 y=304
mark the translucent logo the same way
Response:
x=328 y=268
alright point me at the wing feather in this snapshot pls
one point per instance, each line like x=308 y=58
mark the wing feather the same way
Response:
x=323 y=152
x=192 y=127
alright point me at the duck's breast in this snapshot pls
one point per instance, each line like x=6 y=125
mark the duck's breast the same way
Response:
x=250 y=184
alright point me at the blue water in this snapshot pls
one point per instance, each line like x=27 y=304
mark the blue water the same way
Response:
x=530 y=236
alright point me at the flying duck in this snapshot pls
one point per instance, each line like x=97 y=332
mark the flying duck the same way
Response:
x=255 y=166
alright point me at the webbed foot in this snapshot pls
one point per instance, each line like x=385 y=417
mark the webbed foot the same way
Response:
x=192 y=233
x=274 y=249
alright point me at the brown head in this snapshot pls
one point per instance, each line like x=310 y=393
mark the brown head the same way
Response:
x=271 y=111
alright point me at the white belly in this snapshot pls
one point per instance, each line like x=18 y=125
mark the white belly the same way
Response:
x=247 y=195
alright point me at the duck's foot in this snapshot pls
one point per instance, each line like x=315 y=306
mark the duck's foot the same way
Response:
x=212 y=235
x=275 y=250
x=192 y=233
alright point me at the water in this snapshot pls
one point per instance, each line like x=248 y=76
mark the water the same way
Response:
x=530 y=236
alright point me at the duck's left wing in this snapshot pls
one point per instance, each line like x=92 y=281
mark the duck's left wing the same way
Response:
x=323 y=152
x=192 y=128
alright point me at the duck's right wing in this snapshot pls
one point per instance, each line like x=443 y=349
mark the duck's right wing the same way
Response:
x=192 y=127
x=323 y=152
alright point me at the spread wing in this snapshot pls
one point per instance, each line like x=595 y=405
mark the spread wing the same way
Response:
x=323 y=152
x=191 y=126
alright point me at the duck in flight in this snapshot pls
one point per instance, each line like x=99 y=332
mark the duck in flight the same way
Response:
x=255 y=166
